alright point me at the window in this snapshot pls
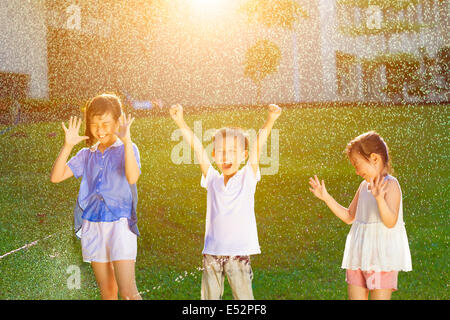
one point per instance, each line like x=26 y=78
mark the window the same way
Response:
x=346 y=74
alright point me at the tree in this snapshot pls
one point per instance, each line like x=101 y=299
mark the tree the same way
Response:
x=278 y=13
x=261 y=60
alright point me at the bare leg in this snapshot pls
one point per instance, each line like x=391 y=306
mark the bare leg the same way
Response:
x=357 y=293
x=381 y=294
x=124 y=271
x=104 y=274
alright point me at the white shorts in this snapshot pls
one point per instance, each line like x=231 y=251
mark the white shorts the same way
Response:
x=108 y=241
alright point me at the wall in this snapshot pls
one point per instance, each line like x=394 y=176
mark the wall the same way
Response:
x=23 y=46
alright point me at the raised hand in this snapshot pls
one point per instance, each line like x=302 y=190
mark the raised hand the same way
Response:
x=176 y=112
x=378 y=187
x=123 y=132
x=274 y=111
x=72 y=136
x=318 y=189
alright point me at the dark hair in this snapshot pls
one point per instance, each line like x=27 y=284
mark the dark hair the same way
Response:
x=368 y=143
x=99 y=105
x=232 y=132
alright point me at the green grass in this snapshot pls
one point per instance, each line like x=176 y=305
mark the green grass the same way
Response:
x=302 y=242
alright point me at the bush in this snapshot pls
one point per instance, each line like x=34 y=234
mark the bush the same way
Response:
x=35 y=110
x=52 y=105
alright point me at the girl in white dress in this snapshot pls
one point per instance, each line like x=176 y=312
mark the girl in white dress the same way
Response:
x=377 y=244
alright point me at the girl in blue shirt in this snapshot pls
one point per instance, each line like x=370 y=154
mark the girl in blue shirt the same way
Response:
x=107 y=198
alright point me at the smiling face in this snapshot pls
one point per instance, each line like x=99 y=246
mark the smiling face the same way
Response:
x=102 y=119
x=229 y=153
x=103 y=128
x=369 y=154
x=368 y=169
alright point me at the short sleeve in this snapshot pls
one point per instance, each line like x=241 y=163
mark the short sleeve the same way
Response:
x=206 y=180
x=76 y=163
x=137 y=155
x=252 y=174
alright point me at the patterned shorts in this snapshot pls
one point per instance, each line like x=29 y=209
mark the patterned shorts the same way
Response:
x=239 y=274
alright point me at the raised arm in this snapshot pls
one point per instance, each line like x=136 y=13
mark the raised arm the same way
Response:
x=131 y=166
x=61 y=170
x=176 y=112
x=388 y=196
x=263 y=134
x=345 y=214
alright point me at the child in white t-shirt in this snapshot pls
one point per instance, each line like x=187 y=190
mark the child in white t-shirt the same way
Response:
x=230 y=233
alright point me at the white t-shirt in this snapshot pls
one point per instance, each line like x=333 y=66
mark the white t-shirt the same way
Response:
x=230 y=216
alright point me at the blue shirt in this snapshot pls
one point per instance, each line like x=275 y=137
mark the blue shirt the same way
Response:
x=105 y=194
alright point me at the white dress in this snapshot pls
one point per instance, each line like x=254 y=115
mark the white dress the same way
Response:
x=370 y=245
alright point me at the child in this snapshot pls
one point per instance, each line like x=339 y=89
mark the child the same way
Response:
x=231 y=234
x=109 y=169
x=377 y=244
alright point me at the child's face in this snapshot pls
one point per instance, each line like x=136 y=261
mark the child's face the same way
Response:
x=367 y=169
x=229 y=155
x=103 y=128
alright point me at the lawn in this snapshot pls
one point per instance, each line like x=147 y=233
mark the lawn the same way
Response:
x=302 y=242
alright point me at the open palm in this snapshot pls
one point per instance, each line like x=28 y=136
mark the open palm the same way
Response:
x=378 y=187
x=317 y=188
x=72 y=136
x=124 y=127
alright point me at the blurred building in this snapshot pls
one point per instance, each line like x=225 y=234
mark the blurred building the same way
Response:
x=23 y=49
x=97 y=46
x=420 y=31
x=200 y=56
x=62 y=48
x=193 y=52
